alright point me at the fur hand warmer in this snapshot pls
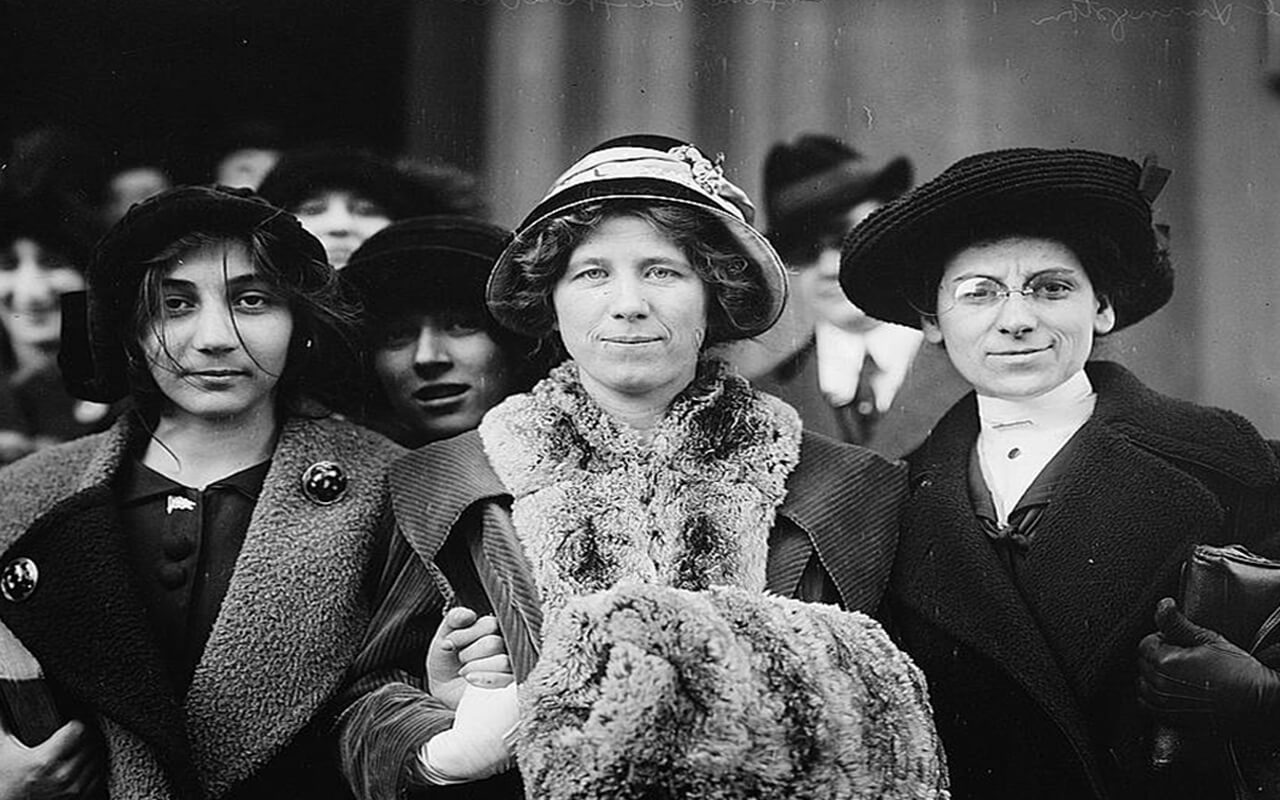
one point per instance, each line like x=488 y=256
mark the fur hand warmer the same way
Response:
x=477 y=746
x=723 y=694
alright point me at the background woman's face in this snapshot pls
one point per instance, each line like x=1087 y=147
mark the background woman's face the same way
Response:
x=32 y=281
x=1018 y=346
x=631 y=311
x=218 y=344
x=817 y=280
x=341 y=219
x=441 y=371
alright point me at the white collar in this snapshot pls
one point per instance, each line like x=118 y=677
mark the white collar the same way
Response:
x=1019 y=437
x=1069 y=403
x=840 y=354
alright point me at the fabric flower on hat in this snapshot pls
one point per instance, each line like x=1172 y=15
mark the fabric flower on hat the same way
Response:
x=707 y=174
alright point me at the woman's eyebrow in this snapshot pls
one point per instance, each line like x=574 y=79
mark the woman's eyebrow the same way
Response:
x=247 y=279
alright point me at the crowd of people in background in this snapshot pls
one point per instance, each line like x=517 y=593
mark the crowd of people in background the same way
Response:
x=321 y=483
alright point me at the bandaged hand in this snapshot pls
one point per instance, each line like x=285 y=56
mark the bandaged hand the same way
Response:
x=1191 y=676
x=480 y=742
x=466 y=649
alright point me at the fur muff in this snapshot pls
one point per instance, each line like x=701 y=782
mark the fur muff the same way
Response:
x=653 y=692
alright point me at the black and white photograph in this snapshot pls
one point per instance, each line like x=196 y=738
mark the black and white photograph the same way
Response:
x=577 y=399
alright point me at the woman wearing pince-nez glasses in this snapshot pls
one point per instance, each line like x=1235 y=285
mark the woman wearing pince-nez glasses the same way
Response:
x=1052 y=508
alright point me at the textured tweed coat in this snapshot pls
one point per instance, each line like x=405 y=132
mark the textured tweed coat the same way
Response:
x=832 y=540
x=1034 y=693
x=292 y=619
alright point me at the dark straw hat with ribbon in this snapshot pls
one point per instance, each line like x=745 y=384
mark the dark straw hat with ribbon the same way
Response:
x=658 y=169
x=97 y=322
x=892 y=261
x=815 y=176
x=443 y=260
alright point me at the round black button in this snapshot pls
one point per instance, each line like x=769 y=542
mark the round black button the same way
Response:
x=324 y=483
x=173 y=576
x=177 y=546
x=18 y=580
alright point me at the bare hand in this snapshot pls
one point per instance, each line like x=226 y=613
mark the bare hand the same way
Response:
x=466 y=649
x=67 y=764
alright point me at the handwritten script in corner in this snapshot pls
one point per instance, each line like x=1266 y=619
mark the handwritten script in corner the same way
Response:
x=1117 y=18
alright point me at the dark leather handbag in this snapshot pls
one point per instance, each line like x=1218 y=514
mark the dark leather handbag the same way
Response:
x=1237 y=593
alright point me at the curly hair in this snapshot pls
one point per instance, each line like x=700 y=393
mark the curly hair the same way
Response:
x=734 y=288
x=322 y=353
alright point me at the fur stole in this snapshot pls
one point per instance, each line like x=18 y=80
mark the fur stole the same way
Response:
x=594 y=504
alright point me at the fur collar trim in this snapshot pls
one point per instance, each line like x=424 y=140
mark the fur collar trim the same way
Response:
x=595 y=505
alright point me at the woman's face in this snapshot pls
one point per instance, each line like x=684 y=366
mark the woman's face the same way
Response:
x=218 y=344
x=817 y=278
x=441 y=371
x=32 y=281
x=1017 y=345
x=246 y=166
x=631 y=311
x=341 y=219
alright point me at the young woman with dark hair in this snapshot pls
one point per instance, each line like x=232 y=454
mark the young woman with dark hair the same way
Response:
x=187 y=588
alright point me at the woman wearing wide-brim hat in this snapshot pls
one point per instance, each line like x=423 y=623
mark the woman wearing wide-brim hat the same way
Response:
x=1053 y=507
x=186 y=589
x=623 y=522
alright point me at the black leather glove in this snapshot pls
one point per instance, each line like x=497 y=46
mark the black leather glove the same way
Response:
x=1191 y=676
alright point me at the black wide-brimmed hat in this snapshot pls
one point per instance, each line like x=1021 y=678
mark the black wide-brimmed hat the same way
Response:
x=302 y=174
x=442 y=259
x=97 y=323
x=815 y=176
x=646 y=168
x=889 y=260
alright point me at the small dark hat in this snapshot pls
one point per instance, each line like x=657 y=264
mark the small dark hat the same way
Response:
x=887 y=259
x=48 y=221
x=816 y=176
x=96 y=324
x=445 y=259
x=658 y=169
x=301 y=174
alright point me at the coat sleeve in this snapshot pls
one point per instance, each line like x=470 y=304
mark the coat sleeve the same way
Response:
x=387 y=714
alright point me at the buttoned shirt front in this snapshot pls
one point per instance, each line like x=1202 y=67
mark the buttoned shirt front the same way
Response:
x=1019 y=437
x=183 y=544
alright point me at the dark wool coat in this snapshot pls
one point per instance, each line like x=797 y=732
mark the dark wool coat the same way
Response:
x=833 y=540
x=1034 y=696
x=292 y=619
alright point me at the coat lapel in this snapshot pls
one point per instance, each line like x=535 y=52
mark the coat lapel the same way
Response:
x=1111 y=543
x=428 y=509
x=947 y=572
x=295 y=611
x=848 y=501
x=85 y=623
